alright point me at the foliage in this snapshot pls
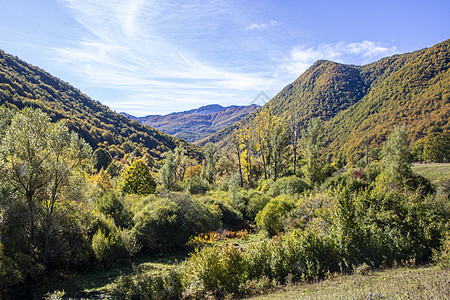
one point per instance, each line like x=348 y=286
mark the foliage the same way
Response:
x=138 y=180
x=38 y=159
x=23 y=85
x=442 y=256
x=291 y=185
x=101 y=158
x=436 y=147
x=169 y=223
x=271 y=218
x=209 y=168
x=112 y=205
x=167 y=171
x=395 y=153
x=313 y=148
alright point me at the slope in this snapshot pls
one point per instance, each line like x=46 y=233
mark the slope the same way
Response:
x=23 y=85
x=363 y=103
x=198 y=123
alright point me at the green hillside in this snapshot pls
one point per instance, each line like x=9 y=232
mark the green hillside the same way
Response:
x=23 y=85
x=363 y=103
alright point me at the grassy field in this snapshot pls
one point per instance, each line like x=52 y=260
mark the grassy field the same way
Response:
x=436 y=173
x=428 y=282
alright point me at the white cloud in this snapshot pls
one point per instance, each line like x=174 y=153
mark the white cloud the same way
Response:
x=263 y=25
x=134 y=47
x=302 y=57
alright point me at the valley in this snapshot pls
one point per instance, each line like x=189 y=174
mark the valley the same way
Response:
x=341 y=179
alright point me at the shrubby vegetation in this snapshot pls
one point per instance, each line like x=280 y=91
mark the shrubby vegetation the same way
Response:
x=73 y=213
x=68 y=200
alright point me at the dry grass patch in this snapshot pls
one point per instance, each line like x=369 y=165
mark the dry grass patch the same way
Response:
x=429 y=282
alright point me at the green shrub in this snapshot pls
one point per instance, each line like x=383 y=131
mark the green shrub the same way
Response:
x=271 y=218
x=291 y=185
x=196 y=186
x=230 y=218
x=442 y=256
x=161 y=224
x=112 y=204
x=256 y=202
x=10 y=274
x=146 y=286
x=218 y=270
x=116 y=245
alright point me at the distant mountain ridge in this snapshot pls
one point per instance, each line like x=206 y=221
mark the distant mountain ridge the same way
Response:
x=195 y=124
x=361 y=104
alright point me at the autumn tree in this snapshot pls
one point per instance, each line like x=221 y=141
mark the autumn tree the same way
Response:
x=396 y=165
x=181 y=163
x=38 y=158
x=101 y=158
x=138 y=180
x=237 y=149
x=314 y=144
x=436 y=147
x=167 y=171
x=209 y=167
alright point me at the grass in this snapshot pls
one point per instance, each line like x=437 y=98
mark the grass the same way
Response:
x=428 y=282
x=98 y=282
x=436 y=173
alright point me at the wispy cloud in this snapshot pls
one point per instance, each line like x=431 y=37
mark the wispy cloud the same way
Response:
x=263 y=25
x=301 y=57
x=138 y=46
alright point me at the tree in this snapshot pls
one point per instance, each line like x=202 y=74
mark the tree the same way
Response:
x=37 y=159
x=436 y=147
x=314 y=144
x=101 y=158
x=138 y=180
x=278 y=138
x=181 y=163
x=237 y=148
x=294 y=141
x=167 y=171
x=209 y=168
x=396 y=155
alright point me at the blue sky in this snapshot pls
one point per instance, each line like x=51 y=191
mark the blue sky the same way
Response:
x=155 y=57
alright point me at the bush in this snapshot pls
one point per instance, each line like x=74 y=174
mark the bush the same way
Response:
x=146 y=286
x=169 y=222
x=256 y=202
x=161 y=225
x=442 y=256
x=218 y=270
x=196 y=186
x=116 y=245
x=10 y=274
x=112 y=204
x=291 y=185
x=230 y=217
x=271 y=218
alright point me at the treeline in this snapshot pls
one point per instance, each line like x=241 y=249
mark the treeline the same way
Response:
x=360 y=105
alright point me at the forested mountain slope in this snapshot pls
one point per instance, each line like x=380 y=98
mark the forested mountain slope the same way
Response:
x=197 y=123
x=24 y=85
x=363 y=103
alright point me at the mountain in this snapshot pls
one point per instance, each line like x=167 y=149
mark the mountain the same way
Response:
x=362 y=104
x=196 y=124
x=23 y=85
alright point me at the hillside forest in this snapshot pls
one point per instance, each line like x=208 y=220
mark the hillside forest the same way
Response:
x=83 y=188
